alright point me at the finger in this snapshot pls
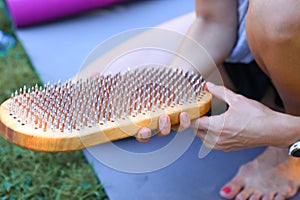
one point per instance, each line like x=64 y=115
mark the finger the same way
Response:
x=208 y=139
x=185 y=121
x=200 y=134
x=221 y=92
x=143 y=135
x=164 y=125
x=201 y=123
x=205 y=139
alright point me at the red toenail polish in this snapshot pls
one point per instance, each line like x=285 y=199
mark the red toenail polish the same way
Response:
x=226 y=190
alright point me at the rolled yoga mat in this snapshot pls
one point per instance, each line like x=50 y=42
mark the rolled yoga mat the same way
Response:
x=31 y=12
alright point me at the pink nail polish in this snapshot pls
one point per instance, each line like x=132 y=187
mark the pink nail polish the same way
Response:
x=226 y=190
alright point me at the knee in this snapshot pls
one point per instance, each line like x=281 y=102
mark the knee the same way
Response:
x=277 y=22
x=285 y=29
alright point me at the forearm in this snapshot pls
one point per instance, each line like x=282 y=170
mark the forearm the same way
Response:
x=287 y=128
x=215 y=44
x=271 y=128
x=214 y=31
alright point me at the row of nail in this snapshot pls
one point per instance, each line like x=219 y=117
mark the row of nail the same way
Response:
x=104 y=98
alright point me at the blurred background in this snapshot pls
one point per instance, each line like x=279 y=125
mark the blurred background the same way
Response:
x=26 y=174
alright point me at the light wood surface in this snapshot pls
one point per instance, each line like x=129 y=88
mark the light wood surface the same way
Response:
x=55 y=141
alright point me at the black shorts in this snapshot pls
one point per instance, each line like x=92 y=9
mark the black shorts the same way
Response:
x=250 y=81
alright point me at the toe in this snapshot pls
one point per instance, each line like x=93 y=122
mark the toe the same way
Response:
x=255 y=196
x=279 y=197
x=244 y=194
x=269 y=196
x=292 y=191
x=286 y=192
x=231 y=189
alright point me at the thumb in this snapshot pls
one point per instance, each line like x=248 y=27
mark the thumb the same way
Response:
x=201 y=123
x=221 y=92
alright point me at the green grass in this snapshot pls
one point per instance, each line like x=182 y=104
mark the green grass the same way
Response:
x=26 y=174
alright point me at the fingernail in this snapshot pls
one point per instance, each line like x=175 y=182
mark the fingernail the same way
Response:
x=210 y=85
x=163 y=121
x=226 y=190
x=184 y=117
x=144 y=134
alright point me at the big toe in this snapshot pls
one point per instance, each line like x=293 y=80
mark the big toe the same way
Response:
x=230 y=190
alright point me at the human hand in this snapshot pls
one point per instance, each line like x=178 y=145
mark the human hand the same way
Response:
x=164 y=124
x=246 y=123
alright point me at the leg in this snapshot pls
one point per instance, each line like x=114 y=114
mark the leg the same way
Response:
x=273 y=35
x=179 y=24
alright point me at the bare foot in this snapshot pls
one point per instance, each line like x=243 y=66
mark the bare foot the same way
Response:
x=271 y=176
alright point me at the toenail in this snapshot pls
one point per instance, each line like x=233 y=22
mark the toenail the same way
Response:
x=226 y=190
